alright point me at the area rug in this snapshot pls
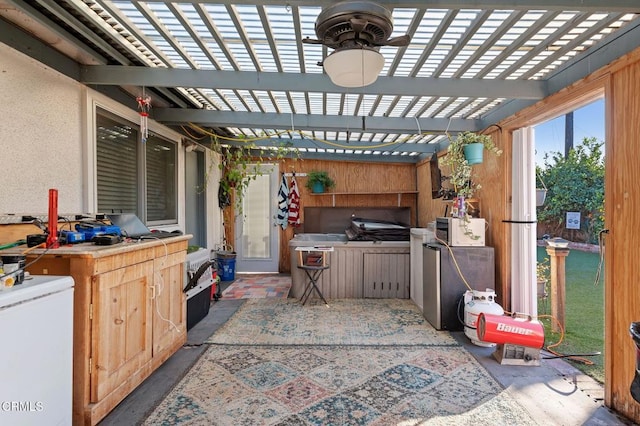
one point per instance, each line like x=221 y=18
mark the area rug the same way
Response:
x=332 y=385
x=345 y=322
x=259 y=287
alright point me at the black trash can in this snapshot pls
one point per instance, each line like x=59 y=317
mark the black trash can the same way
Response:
x=635 y=384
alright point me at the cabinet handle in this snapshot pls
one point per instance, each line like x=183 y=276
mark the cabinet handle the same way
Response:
x=374 y=285
x=153 y=291
x=397 y=286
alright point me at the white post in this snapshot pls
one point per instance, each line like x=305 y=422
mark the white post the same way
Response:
x=523 y=225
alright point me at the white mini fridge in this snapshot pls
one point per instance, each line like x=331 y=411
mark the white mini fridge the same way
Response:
x=36 y=352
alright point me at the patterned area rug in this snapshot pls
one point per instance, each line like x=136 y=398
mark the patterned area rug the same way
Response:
x=330 y=385
x=344 y=322
x=258 y=287
x=368 y=362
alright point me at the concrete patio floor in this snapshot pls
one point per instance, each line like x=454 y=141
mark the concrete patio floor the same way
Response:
x=554 y=393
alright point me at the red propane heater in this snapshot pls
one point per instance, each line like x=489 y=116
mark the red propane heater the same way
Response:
x=519 y=338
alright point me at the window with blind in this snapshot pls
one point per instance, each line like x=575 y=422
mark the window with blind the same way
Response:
x=133 y=176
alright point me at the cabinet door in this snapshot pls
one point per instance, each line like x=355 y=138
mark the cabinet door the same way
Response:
x=168 y=302
x=386 y=275
x=121 y=326
x=402 y=276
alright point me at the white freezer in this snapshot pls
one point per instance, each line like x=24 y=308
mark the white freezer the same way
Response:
x=418 y=237
x=36 y=352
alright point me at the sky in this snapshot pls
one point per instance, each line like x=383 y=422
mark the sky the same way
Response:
x=588 y=121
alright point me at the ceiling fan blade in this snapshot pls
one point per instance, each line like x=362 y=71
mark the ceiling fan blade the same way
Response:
x=397 y=41
x=311 y=41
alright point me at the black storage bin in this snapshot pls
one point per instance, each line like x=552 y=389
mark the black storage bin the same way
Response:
x=198 y=292
x=198 y=306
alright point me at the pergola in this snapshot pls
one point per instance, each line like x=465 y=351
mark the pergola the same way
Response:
x=242 y=70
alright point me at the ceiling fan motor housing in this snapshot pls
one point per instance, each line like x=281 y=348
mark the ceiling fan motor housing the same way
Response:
x=354 y=24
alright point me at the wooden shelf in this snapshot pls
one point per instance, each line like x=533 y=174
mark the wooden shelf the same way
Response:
x=364 y=193
x=474 y=204
x=333 y=194
x=468 y=200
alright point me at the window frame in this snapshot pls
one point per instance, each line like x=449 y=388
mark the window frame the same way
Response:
x=94 y=101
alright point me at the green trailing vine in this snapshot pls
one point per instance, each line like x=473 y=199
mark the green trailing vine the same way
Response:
x=240 y=164
x=461 y=172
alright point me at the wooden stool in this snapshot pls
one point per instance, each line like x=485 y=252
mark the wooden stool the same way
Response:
x=313 y=261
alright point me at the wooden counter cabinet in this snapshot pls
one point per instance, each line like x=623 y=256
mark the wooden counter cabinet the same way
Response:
x=129 y=316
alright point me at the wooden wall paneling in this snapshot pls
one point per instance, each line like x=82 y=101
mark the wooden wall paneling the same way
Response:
x=623 y=271
x=284 y=263
x=494 y=175
x=610 y=156
x=357 y=185
x=228 y=222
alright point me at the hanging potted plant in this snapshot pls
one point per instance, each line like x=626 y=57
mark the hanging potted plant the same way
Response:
x=472 y=145
x=319 y=181
x=541 y=193
x=460 y=166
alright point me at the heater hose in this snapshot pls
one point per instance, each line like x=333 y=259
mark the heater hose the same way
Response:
x=578 y=358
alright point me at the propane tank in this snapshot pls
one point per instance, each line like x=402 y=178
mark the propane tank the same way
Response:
x=475 y=303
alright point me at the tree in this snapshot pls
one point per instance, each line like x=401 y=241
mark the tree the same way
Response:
x=574 y=184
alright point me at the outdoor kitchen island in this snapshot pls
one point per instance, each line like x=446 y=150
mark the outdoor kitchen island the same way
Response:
x=357 y=269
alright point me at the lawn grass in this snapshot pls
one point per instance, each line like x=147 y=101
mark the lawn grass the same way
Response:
x=584 y=313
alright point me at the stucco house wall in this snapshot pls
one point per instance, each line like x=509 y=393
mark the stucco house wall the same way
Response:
x=47 y=141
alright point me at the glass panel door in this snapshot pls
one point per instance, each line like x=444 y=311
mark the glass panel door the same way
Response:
x=256 y=234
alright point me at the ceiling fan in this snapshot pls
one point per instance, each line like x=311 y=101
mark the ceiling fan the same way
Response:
x=355 y=30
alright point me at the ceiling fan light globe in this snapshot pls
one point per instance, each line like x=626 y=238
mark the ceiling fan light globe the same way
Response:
x=354 y=67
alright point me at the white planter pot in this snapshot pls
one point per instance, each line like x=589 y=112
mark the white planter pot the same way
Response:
x=541 y=194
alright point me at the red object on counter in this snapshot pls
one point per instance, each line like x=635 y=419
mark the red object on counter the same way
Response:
x=515 y=330
x=52 y=238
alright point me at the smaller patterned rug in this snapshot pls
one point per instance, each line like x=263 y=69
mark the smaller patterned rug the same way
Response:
x=259 y=287
x=343 y=322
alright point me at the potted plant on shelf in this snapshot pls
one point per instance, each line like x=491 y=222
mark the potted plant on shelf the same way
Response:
x=319 y=181
x=461 y=172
